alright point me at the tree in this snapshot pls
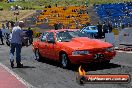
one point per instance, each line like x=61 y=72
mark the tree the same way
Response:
x=2 y=0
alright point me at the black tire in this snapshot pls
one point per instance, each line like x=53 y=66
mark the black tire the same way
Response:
x=105 y=62
x=65 y=62
x=38 y=57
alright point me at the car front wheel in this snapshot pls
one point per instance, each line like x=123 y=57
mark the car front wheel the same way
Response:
x=105 y=62
x=64 y=61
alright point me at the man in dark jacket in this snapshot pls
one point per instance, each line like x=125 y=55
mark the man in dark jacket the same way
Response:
x=99 y=27
x=56 y=26
x=30 y=35
x=1 y=37
x=110 y=27
x=105 y=29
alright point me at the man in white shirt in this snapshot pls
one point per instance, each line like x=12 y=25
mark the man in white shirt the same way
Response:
x=16 y=44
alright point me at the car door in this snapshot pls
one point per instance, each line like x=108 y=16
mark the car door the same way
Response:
x=50 y=46
x=42 y=44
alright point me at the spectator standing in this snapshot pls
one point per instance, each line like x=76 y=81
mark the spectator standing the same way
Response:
x=7 y=24
x=68 y=26
x=12 y=24
x=30 y=35
x=59 y=25
x=5 y=31
x=49 y=6
x=110 y=27
x=16 y=7
x=76 y=24
x=3 y=26
x=99 y=27
x=16 y=44
x=46 y=19
x=86 y=3
x=88 y=24
x=56 y=26
x=122 y=26
x=105 y=29
x=1 y=37
x=55 y=5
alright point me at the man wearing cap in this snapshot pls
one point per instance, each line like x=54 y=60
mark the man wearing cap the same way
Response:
x=16 y=44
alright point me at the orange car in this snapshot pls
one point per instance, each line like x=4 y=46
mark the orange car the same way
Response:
x=72 y=47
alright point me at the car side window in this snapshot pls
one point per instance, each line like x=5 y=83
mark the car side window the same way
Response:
x=43 y=37
x=50 y=36
x=87 y=28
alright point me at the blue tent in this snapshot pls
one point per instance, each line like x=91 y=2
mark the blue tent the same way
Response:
x=10 y=0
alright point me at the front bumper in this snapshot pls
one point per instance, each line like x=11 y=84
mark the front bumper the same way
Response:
x=90 y=58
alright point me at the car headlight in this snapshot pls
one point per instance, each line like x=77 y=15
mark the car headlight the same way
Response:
x=110 y=49
x=80 y=52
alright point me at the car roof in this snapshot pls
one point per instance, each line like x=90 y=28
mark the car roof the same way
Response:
x=91 y=26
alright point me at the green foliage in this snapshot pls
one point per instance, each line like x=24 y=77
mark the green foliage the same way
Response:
x=39 y=4
x=2 y=0
x=1 y=8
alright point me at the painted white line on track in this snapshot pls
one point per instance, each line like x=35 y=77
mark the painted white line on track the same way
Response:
x=120 y=51
x=17 y=76
x=129 y=52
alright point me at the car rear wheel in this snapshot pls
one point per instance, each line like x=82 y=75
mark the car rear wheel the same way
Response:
x=64 y=61
x=37 y=55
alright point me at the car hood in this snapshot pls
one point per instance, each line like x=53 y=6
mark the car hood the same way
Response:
x=84 y=43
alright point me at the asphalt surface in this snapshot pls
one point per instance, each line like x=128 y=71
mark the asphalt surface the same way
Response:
x=48 y=74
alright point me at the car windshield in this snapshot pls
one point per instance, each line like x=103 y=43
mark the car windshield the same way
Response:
x=66 y=36
x=63 y=36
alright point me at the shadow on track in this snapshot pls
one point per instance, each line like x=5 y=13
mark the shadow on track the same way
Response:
x=26 y=67
x=99 y=66
x=2 y=44
x=88 y=67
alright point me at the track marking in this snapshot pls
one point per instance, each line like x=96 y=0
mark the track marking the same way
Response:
x=120 y=51
x=17 y=77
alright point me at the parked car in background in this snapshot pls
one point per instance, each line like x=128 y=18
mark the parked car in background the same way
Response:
x=92 y=30
x=72 y=47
